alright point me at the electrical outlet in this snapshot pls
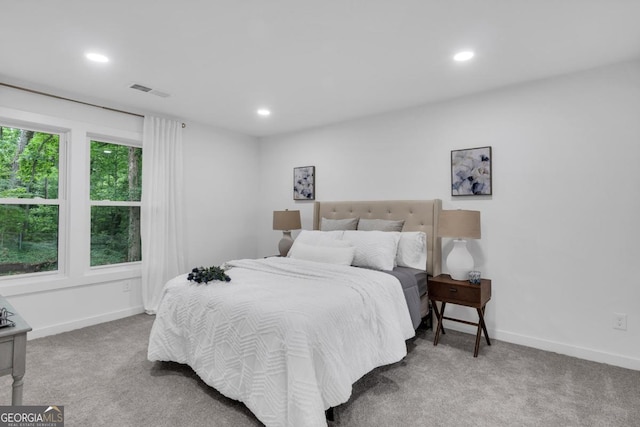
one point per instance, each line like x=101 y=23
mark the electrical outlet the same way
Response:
x=126 y=287
x=620 y=321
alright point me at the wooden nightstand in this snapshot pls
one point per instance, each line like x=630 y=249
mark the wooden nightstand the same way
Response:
x=446 y=290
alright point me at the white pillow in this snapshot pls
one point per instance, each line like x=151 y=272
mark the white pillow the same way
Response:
x=325 y=254
x=412 y=250
x=321 y=238
x=374 y=249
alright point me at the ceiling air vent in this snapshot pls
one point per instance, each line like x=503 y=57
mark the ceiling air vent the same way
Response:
x=142 y=88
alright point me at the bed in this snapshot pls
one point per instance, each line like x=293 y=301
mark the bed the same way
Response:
x=418 y=215
x=288 y=336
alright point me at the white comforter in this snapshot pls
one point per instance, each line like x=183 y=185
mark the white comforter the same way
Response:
x=286 y=337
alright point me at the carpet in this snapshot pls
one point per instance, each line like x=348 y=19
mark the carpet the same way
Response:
x=102 y=377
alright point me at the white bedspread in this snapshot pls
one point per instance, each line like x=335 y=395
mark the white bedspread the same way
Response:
x=286 y=337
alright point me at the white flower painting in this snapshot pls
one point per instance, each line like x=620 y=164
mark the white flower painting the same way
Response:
x=471 y=172
x=304 y=183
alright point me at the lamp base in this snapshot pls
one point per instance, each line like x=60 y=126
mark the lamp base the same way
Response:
x=459 y=261
x=285 y=243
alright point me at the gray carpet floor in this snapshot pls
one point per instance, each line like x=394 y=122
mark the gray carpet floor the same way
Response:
x=102 y=377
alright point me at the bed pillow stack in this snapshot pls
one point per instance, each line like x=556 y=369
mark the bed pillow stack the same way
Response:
x=375 y=249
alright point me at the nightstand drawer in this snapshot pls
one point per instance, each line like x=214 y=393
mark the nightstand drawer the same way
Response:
x=454 y=292
x=444 y=288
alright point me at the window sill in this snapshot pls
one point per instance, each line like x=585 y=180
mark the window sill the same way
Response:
x=43 y=282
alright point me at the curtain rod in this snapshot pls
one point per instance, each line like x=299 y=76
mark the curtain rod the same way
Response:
x=75 y=100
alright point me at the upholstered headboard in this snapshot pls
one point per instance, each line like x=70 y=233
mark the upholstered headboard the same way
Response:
x=418 y=215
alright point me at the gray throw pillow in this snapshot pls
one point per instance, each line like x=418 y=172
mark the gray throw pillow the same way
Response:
x=380 y=225
x=338 y=224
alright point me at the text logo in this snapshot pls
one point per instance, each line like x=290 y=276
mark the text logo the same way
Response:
x=32 y=416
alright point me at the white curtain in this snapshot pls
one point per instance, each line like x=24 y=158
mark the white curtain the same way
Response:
x=162 y=208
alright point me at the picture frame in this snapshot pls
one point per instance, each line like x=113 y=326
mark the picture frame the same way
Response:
x=304 y=183
x=471 y=172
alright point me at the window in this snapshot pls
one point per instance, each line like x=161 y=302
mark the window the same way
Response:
x=29 y=201
x=116 y=183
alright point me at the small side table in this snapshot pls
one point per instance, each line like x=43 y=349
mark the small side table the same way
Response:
x=446 y=290
x=13 y=351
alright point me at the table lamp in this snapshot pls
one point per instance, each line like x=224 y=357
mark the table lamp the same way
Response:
x=460 y=225
x=286 y=221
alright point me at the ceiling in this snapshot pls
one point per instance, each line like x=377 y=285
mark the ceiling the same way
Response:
x=311 y=62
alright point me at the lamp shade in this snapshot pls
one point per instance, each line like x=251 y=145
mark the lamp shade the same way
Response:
x=286 y=220
x=459 y=224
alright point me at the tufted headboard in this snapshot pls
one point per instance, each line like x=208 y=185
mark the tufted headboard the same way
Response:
x=418 y=215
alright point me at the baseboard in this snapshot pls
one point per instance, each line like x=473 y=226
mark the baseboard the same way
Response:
x=82 y=323
x=557 y=347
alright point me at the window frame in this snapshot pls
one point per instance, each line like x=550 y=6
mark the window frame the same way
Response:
x=114 y=203
x=74 y=233
x=61 y=201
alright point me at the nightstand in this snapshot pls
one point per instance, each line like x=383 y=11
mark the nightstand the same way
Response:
x=446 y=290
x=13 y=351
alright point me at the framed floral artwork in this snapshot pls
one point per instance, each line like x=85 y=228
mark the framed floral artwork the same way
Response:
x=471 y=172
x=304 y=183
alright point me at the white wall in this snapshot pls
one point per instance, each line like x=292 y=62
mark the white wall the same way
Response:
x=219 y=166
x=221 y=171
x=560 y=234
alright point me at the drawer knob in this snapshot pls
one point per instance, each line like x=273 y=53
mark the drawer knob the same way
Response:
x=453 y=289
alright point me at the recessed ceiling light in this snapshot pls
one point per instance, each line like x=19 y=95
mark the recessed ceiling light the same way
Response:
x=463 y=56
x=263 y=112
x=96 y=57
